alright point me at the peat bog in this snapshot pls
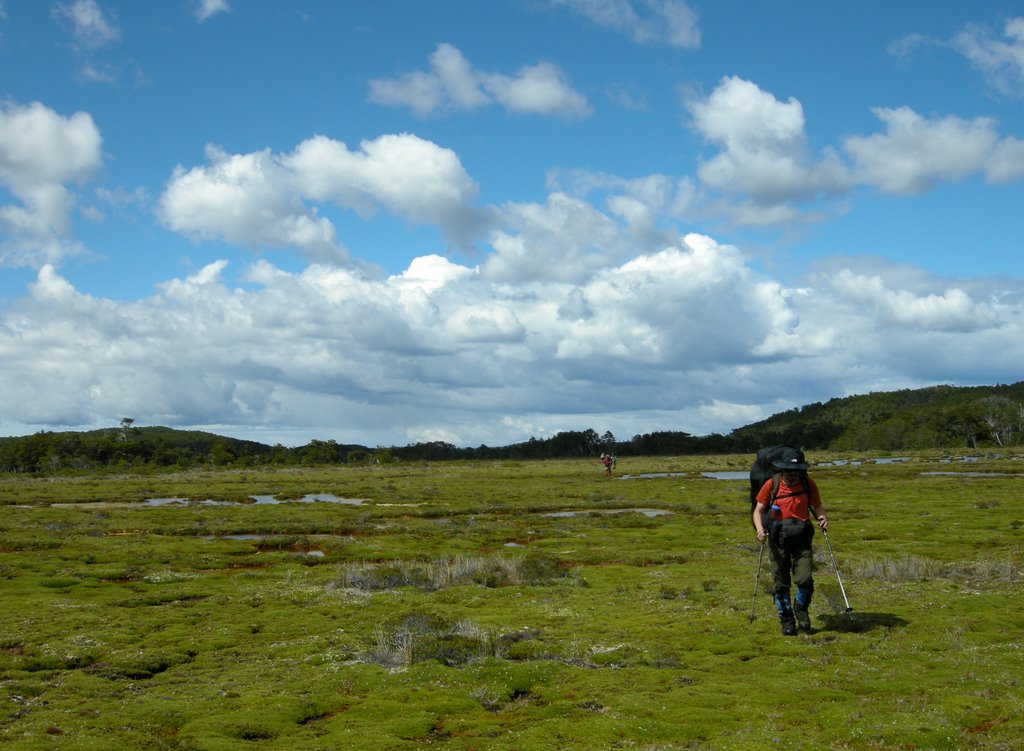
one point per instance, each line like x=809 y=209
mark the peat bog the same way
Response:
x=508 y=605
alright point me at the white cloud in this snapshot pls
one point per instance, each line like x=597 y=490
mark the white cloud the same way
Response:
x=1001 y=60
x=915 y=153
x=764 y=153
x=1006 y=163
x=540 y=89
x=685 y=338
x=565 y=239
x=671 y=22
x=41 y=152
x=765 y=175
x=207 y=8
x=90 y=26
x=246 y=200
x=261 y=199
x=453 y=84
x=952 y=310
x=404 y=174
x=93 y=31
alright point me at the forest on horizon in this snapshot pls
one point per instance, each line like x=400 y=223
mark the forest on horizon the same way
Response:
x=929 y=418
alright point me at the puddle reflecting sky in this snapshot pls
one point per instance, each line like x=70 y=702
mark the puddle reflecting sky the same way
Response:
x=259 y=499
x=651 y=512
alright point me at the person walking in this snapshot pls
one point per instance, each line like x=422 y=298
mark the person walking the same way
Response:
x=609 y=462
x=782 y=516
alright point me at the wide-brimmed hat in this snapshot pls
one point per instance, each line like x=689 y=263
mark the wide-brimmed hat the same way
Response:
x=791 y=461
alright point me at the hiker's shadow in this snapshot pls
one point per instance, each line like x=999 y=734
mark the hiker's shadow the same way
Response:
x=858 y=623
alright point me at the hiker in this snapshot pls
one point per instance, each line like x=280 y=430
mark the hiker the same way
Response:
x=608 y=461
x=782 y=517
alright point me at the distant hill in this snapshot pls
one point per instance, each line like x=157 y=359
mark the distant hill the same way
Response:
x=935 y=417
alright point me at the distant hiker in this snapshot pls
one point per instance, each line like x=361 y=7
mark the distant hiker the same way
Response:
x=782 y=517
x=609 y=462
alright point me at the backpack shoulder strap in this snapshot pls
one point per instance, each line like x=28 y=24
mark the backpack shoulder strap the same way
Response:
x=805 y=486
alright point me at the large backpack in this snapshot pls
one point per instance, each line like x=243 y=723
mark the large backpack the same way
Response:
x=762 y=470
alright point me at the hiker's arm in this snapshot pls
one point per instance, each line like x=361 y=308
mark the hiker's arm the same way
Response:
x=758 y=517
x=820 y=515
x=817 y=507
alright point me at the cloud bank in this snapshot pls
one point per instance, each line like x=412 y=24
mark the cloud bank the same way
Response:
x=689 y=337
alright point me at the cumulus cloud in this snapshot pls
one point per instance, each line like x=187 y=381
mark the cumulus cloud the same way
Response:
x=263 y=199
x=764 y=155
x=404 y=174
x=41 y=154
x=452 y=83
x=764 y=149
x=671 y=22
x=564 y=239
x=915 y=153
x=653 y=195
x=247 y=200
x=765 y=173
x=952 y=310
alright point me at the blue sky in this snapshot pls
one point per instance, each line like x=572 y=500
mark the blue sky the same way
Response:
x=387 y=222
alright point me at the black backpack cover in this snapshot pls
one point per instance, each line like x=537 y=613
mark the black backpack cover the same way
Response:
x=761 y=471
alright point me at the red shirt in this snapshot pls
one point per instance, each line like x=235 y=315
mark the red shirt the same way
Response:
x=792 y=501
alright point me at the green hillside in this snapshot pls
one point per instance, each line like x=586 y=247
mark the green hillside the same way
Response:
x=939 y=416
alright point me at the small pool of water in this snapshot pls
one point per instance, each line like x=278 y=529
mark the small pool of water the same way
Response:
x=726 y=475
x=258 y=499
x=649 y=512
x=260 y=538
x=973 y=474
x=166 y=501
x=651 y=475
x=309 y=498
x=737 y=475
x=235 y=537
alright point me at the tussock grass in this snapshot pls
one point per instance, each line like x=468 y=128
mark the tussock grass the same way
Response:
x=451 y=571
x=418 y=637
x=915 y=568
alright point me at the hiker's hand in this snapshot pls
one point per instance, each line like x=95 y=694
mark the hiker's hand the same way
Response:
x=823 y=521
x=761 y=535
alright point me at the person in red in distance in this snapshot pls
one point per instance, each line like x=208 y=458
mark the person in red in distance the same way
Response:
x=782 y=515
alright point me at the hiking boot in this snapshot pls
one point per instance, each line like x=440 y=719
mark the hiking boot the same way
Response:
x=803 y=619
x=788 y=627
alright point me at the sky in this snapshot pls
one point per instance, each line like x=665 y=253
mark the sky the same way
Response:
x=387 y=222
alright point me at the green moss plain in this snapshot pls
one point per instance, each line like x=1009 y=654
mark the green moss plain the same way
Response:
x=507 y=605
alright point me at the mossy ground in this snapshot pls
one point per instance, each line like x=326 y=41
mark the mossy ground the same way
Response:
x=455 y=608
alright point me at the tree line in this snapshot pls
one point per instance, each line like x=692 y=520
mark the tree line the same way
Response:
x=937 y=417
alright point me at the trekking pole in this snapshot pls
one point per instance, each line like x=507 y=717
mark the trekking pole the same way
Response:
x=757 y=578
x=832 y=555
